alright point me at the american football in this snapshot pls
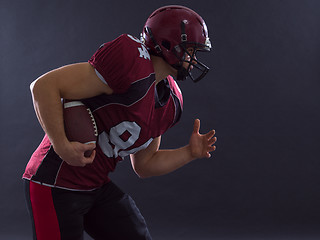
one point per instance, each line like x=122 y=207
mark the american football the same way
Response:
x=79 y=123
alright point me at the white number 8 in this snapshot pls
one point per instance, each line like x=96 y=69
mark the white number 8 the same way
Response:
x=120 y=145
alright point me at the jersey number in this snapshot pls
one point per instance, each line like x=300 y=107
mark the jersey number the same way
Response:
x=143 y=50
x=122 y=136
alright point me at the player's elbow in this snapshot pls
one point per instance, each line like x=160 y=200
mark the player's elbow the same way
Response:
x=141 y=166
x=37 y=90
x=32 y=86
x=141 y=173
x=141 y=176
x=37 y=87
x=44 y=87
x=144 y=176
x=141 y=169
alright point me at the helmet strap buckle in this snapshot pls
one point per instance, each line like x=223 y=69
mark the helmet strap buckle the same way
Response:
x=184 y=37
x=156 y=45
x=157 y=48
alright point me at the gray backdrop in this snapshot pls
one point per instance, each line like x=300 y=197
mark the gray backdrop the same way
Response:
x=261 y=96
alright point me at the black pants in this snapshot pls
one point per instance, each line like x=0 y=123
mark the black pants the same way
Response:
x=104 y=213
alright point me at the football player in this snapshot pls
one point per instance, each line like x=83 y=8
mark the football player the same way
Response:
x=129 y=85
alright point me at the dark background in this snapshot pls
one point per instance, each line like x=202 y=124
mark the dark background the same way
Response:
x=261 y=96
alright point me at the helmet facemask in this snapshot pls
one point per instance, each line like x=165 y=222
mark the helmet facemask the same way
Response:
x=195 y=69
x=189 y=50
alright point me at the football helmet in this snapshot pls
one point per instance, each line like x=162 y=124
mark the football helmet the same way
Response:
x=177 y=33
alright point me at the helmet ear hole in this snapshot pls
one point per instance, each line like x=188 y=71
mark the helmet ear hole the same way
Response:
x=166 y=44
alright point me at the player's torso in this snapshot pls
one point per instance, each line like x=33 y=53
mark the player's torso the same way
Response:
x=127 y=120
x=126 y=123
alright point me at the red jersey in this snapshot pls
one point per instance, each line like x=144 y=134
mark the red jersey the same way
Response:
x=128 y=120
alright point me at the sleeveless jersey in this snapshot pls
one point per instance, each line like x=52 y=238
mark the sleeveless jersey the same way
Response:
x=128 y=120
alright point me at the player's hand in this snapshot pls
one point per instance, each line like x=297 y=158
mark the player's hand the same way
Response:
x=201 y=144
x=73 y=153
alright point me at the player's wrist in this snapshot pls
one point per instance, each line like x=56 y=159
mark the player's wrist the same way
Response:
x=61 y=145
x=189 y=155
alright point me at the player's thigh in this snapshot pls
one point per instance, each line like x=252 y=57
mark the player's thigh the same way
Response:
x=116 y=219
x=52 y=214
x=70 y=208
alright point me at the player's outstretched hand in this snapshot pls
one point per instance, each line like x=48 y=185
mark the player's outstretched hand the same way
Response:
x=201 y=144
x=74 y=153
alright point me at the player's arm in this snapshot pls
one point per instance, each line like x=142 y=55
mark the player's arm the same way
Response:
x=76 y=81
x=154 y=162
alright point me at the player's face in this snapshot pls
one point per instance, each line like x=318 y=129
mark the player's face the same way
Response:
x=187 y=59
x=186 y=63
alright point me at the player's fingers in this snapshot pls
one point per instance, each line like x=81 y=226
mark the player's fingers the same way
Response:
x=196 y=126
x=89 y=153
x=89 y=146
x=211 y=148
x=89 y=156
x=210 y=134
x=212 y=141
x=82 y=147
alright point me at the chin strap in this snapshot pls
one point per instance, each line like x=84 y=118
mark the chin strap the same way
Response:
x=156 y=45
x=182 y=74
x=184 y=36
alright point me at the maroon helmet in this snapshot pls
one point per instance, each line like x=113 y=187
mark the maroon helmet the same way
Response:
x=172 y=30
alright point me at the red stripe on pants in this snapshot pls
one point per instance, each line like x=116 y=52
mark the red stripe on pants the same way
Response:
x=44 y=214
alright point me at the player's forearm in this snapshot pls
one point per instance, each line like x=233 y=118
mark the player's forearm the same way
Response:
x=165 y=161
x=48 y=108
